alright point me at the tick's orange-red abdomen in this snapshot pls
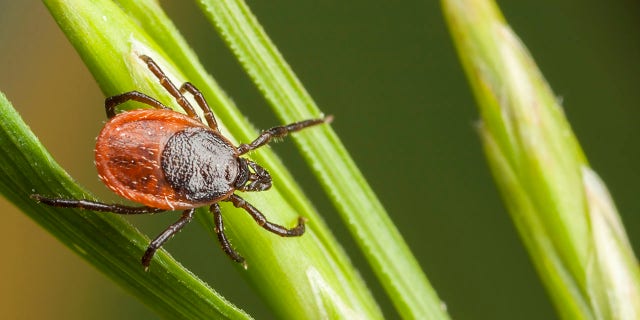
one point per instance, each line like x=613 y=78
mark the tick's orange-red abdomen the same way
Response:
x=128 y=156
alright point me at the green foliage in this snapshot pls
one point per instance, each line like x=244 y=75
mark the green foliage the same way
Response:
x=375 y=233
x=307 y=277
x=561 y=208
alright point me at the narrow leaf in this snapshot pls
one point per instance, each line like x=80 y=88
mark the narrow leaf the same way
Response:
x=375 y=233
x=559 y=205
x=295 y=275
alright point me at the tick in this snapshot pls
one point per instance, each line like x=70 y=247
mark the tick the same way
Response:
x=169 y=161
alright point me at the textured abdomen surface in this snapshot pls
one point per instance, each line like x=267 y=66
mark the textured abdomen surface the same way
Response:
x=199 y=164
x=128 y=156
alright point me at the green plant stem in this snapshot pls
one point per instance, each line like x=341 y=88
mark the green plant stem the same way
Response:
x=375 y=233
x=561 y=208
x=308 y=276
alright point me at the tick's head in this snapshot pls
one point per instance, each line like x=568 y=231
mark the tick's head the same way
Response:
x=252 y=177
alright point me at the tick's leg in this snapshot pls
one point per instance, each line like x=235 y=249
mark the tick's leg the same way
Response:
x=95 y=206
x=186 y=217
x=262 y=220
x=197 y=95
x=111 y=103
x=170 y=87
x=222 y=238
x=280 y=131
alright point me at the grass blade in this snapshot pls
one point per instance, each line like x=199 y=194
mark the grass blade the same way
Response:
x=300 y=277
x=386 y=251
x=561 y=208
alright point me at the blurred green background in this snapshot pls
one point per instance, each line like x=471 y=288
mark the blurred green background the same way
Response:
x=389 y=74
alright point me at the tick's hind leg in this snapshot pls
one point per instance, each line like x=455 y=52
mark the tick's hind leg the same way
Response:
x=280 y=131
x=263 y=222
x=186 y=217
x=94 y=206
x=111 y=103
x=222 y=237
